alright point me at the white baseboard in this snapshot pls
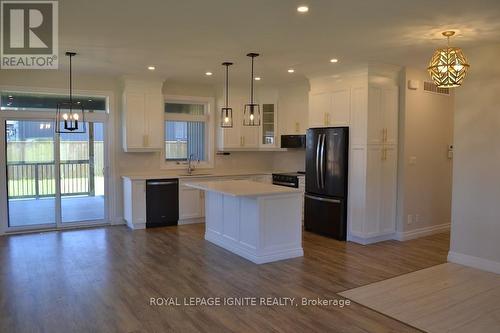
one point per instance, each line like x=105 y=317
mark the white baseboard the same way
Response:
x=421 y=232
x=117 y=221
x=370 y=239
x=475 y=262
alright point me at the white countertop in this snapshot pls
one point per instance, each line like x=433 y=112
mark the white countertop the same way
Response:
x=242 y=188
x=200 y=173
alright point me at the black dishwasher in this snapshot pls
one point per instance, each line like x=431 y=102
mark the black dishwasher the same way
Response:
x=162 y=202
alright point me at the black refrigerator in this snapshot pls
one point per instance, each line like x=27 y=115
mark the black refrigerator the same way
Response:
x=325 y=208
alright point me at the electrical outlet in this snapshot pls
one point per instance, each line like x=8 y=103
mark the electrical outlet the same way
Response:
x=409 y=219
x=417 y=218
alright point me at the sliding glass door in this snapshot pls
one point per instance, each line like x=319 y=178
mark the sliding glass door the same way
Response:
x=54 y=180
x=82 y=175
x=31 y=173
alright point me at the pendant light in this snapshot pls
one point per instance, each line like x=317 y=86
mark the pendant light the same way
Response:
x=226 y=114
x=251 y=113
x=448 y=66
x=70 y=116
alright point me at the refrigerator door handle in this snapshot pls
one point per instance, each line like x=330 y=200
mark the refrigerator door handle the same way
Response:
x=318 y=145
x=322 y=163
x=321 y=199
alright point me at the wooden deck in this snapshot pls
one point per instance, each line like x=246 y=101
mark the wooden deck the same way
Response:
x=32 y=212
x=102 y=279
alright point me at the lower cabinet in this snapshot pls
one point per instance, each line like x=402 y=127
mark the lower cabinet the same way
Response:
x=191 y=203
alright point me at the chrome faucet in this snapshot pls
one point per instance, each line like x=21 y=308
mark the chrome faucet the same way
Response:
x=190 y=167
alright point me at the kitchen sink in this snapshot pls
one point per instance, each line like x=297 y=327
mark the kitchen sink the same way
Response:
x=194 y=174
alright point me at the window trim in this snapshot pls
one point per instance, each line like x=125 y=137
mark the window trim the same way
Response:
x=208 y=118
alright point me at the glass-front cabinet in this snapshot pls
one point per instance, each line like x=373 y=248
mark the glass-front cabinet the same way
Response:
x=268 y=125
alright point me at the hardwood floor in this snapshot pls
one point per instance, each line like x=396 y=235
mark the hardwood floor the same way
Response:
x=101 y=280
x=442 y=298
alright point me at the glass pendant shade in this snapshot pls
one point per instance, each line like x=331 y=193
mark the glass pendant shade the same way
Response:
x=226 y=113
x=251 y=115
x=70 y=115
x=251 y=112
x=448 y=66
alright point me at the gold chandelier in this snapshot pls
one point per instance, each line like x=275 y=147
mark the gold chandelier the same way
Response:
x=448 y=66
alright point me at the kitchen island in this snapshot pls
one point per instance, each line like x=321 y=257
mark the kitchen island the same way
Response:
x=258 y=221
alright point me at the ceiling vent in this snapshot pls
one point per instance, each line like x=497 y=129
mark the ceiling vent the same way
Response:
x=431 y=87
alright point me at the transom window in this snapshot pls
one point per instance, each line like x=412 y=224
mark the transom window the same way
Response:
x=23 y=101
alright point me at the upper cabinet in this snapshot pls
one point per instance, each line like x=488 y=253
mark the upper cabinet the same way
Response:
x=241 y=137
x=382 y=115
x=330 y=108
x=238 y=136
x=142 y=113
x=269 y=125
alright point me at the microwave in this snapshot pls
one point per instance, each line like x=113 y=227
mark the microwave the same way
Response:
x=293 y=141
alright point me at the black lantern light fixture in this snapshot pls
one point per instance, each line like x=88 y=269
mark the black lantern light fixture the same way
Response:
x=251 y=113
x=226 y=114
x=70 y=116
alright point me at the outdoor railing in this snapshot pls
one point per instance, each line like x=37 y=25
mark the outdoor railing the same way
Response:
x=37 y=179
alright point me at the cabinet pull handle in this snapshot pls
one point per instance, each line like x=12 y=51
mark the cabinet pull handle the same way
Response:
x=384 y=154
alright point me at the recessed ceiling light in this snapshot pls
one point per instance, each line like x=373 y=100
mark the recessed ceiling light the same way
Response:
x=334 y=60
x=151 y=68
x=257 y=78
x=291 y=70
x=302 y=9
x=208 y=73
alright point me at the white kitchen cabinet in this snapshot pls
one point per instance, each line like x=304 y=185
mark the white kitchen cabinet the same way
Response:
x=134 y=203
x=382 y=115
x=373 y=160
x=269 y=128
x=142 y=116
x=331 y=108
x=191 y=203
x=249 y=136
x=245 y=137
x=381 y=189
x=320 y=105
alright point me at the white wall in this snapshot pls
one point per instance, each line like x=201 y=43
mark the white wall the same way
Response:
x=475 y=230
x=425 y=131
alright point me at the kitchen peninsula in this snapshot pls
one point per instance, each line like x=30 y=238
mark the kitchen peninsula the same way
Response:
x=260 y=222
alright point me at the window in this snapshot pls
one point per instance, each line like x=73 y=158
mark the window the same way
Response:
x=187 y=130
x=47 y=102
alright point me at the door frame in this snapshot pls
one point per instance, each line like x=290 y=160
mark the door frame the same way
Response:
x=102 y=117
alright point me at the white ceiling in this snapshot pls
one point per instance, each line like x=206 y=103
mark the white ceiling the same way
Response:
x=186 y=38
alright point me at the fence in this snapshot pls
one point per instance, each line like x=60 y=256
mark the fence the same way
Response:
x=31 y=169
x=37 y=180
